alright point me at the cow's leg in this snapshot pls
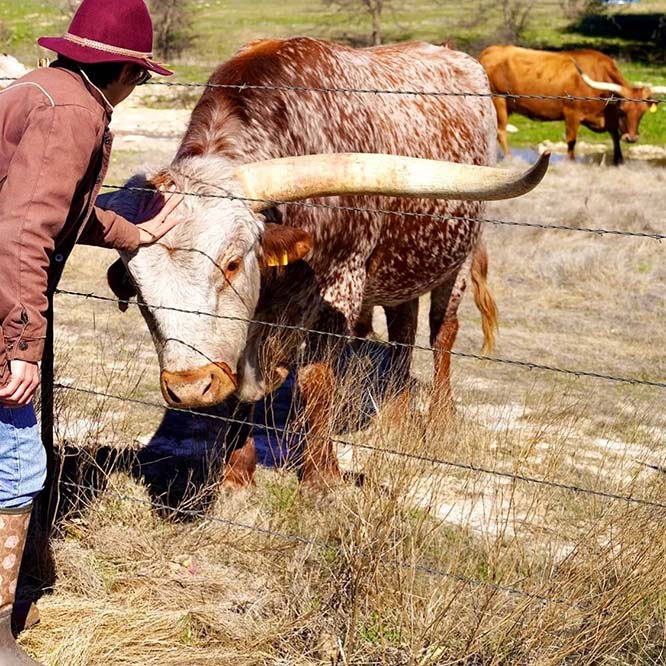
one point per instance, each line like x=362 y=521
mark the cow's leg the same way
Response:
x=444 y=301
x=316 y=386
x=617 y=151
x=401 y=321
x=502 y=111
x=319 y=465
x=572 y=123
x=240 y=466
x=363 y=327
x=240 y=455
x=444 y=304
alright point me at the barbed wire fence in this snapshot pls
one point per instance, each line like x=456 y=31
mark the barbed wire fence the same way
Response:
x=540 y=596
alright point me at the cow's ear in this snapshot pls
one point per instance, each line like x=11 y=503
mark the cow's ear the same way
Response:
x=163 y=180
x=282 y=245
x=120 y=283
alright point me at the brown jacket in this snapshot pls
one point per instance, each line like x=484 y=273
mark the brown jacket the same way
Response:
x=54 y=152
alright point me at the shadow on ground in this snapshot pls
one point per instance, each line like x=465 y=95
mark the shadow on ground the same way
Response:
x=181 y=464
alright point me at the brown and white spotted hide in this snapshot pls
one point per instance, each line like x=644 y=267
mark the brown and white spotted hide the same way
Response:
x=352 y=260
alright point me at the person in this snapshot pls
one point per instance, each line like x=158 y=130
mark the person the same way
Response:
x=54 y=152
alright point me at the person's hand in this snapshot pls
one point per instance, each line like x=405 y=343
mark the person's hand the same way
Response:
x=158 y=209
x=22 y=384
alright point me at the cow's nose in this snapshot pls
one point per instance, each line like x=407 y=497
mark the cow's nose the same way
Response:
x=202 y=387
x=630 y=138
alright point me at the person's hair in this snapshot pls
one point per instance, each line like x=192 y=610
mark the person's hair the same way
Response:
x=103 y=73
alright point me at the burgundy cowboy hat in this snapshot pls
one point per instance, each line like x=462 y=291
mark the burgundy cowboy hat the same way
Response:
x=103 y=31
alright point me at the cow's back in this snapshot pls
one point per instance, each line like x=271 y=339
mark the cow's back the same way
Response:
x=284 y=117
x=278 y=114
x=544 y=74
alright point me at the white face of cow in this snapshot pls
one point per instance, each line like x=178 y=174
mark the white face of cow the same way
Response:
x=200 y=283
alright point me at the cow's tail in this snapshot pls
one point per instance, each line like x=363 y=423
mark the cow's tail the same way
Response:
x=483 y=298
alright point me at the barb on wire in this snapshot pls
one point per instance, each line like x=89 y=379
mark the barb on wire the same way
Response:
x=406 y=214
x=527 y=365
x=470 y=467
x=318 y=543
x=241 y=87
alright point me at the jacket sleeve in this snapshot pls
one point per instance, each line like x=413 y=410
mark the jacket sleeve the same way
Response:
x=108 y=229
x=52 y=156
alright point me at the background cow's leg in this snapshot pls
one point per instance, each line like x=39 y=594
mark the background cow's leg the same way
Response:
x=572 y=123
x=502 y=121
x=617 y=151
x=240 y=455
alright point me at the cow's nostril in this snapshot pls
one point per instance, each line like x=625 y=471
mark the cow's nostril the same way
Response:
x=207 y=388
x=173 y=396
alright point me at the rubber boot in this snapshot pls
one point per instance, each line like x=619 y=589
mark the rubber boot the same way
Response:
x=13 y=531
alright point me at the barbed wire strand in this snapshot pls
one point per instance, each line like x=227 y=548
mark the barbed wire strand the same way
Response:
x=405 y=214
x=241 y=87
x=470 y=467
x=528 y=365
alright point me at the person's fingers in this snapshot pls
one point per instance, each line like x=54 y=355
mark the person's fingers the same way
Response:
x=23 y=394
x=19 y=394
x=7 y=391
x=23 y=383
x=173 y=200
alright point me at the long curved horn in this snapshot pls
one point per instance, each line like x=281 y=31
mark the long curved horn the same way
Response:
x=296 y=178
x=597 y=85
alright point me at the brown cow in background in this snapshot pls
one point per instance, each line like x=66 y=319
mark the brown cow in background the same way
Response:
x=582 y=73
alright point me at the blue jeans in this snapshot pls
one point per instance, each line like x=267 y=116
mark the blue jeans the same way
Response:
x=22 y=457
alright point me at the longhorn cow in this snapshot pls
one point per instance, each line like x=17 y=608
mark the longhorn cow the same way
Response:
x=267 y=129
x=583 y=73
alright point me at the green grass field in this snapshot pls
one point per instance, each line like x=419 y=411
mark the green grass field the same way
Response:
x=220 y=27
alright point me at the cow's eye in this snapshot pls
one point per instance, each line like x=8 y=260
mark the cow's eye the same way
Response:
x=232 y=267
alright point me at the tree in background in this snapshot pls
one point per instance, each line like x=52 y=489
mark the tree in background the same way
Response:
x=172 y=26
x=372 y=7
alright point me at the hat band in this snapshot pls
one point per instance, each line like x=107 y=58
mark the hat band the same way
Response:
x=100 y=46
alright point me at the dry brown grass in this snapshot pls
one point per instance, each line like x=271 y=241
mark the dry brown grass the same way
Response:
x=424 y=563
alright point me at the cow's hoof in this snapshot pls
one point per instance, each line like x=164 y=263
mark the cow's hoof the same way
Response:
x=322 y=480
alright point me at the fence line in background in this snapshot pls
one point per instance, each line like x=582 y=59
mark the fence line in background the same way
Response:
x=381 y=91
x=470 y=467
x=404 y=214
x=527 y=365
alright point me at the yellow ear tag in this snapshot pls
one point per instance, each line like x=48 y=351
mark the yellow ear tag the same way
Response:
x=653 y=108
x=285 y=259
x=272 y=261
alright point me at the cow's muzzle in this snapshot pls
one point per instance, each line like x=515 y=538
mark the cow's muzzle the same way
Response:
x=203 y=387
x=630 y=138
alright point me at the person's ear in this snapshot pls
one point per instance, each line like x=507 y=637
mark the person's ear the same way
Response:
x=128 y=73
